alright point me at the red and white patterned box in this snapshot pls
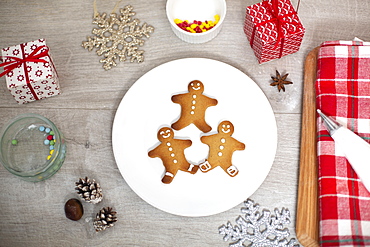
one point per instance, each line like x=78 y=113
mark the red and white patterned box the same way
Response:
x=29 y=71
x=273 y=29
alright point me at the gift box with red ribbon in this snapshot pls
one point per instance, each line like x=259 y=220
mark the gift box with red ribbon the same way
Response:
x=29 y=71
x=273 y=29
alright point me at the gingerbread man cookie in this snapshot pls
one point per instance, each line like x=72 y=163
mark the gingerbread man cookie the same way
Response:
x=193 y=107
x=221 y=149
x=171 y=152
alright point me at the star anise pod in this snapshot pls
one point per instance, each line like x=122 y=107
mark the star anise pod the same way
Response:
x=280 y=81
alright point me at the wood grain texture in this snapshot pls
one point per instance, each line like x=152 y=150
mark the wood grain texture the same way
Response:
x=85 y=111
x=307 y=222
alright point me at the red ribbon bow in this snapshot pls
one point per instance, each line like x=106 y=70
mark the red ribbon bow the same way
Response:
x=16 y=61
x=278 y=19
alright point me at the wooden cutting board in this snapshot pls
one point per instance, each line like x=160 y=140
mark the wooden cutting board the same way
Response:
x=307 y=218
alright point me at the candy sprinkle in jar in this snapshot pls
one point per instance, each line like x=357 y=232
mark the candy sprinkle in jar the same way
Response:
x=31 y=147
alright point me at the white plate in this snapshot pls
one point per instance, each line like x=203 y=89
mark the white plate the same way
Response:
x=147 y=106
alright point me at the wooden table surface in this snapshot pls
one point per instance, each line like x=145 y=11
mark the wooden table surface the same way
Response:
x=32 y=214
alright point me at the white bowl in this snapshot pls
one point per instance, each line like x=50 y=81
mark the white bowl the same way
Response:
x=200 y=10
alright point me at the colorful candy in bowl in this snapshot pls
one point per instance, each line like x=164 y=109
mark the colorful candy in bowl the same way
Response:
x=195 y=21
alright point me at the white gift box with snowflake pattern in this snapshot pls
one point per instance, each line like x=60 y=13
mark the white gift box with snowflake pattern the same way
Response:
x=33 y=77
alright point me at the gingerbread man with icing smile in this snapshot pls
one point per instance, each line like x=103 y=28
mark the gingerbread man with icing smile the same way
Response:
x=221 y=149
x=193 y=107
x=171 y=152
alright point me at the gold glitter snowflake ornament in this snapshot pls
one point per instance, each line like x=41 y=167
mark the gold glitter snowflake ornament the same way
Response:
x=118 y=37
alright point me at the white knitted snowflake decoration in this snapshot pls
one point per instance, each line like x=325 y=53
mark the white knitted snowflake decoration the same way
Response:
x=118 y=37
x=259 y=230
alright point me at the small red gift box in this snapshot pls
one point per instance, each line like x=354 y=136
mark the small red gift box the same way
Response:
x=29 y=71
x=273 y=29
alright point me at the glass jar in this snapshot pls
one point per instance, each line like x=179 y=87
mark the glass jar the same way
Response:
x=31 y=147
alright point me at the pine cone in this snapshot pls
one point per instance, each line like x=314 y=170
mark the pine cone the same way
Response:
x=89 y=190
x=105 y=219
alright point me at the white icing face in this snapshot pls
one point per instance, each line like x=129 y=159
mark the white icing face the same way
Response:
x=226 y=127
x=165 y=133
x=195 y=86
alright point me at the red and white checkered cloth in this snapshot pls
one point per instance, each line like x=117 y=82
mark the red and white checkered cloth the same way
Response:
x=343 y=92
